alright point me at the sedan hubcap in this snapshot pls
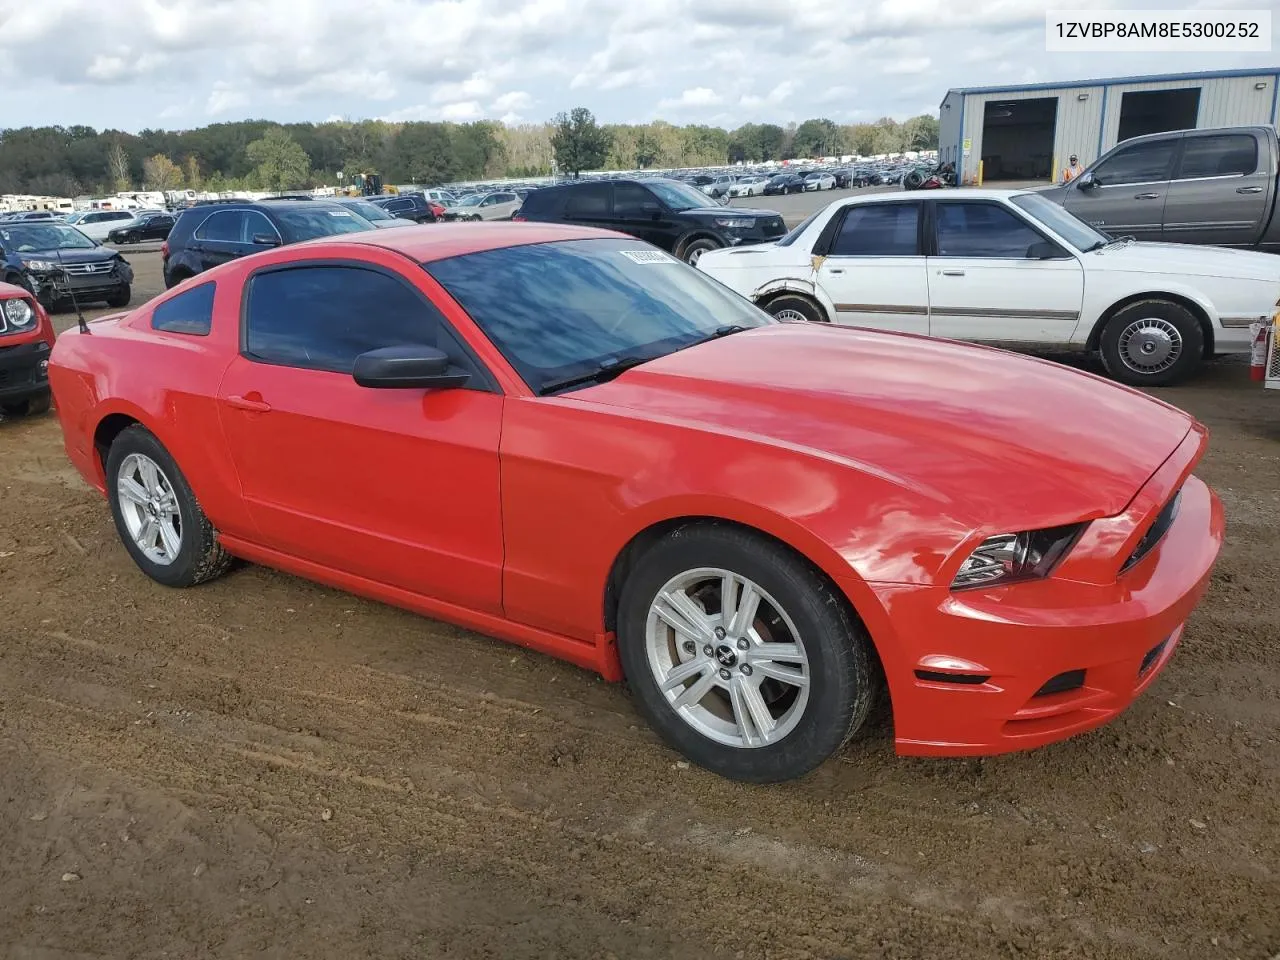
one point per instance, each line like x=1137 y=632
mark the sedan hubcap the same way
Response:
x=1150 y=345
x=727 y=658
x=149 y=508
x=791 y=316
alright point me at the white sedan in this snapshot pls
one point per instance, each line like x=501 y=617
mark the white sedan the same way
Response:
x=748 y=187
x=1008 y=268
x=819 y=181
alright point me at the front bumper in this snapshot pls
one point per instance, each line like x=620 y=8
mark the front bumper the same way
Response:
x=52 y=286
x=987 y=672
x=23 y=370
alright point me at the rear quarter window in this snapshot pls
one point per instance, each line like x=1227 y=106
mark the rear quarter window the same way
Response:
x=190 y=312
x=541 y=203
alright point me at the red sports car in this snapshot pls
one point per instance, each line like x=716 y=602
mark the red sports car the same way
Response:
x=26 y=339
x=568 y=439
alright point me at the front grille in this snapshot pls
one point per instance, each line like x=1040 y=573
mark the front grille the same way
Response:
x=88 y=269
x=1159 y=527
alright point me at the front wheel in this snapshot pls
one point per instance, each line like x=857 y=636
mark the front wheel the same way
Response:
x=694 y=251
x=120 y=297
x=741 y=655
x=157 y=515
x=1152 y=343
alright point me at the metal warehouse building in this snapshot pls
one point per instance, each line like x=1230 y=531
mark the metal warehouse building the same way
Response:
x=1027 y=132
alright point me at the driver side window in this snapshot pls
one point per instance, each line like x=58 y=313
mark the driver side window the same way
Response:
x=629 y=200
x=1141 y=163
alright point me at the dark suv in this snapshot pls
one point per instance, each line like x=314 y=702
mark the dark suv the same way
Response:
x=218 y=231
x=56 y=262
x=667 y=213
x=407 y=206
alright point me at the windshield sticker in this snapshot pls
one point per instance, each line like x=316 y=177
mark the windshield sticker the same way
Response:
x=648 y=256
x=338 y=213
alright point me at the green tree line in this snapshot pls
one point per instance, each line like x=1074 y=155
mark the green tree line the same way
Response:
x=259 y=154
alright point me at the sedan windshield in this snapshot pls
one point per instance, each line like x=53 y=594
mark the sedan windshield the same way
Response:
x=34 y=236
x=1066 y=225
x=678 y=196
x=572 y=308
x=307 y=221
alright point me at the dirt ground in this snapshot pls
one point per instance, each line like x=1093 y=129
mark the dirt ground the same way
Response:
x=264 y=767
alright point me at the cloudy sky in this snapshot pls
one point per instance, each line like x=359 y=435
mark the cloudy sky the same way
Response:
x=131 y=64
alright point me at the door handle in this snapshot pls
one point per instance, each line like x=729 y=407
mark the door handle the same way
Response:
x=1248 y=189
x=1146 y=196
x=952 y=273
x=253 y=402
x=835 y=270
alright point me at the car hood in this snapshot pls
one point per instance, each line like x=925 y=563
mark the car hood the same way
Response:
x=719 y=211
x=94 y=255
x=1186 y=260
x=990 y=437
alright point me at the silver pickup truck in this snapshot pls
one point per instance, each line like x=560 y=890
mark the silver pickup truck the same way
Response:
x=1188 y=186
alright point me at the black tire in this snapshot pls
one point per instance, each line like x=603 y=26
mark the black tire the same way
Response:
x=796 y=304
x=121 y=297
x=171 y=280
x=32 y=406
x=842 y=682
x=913 y=180
x=696 y=248
x=1122 y=347
x=199 y=556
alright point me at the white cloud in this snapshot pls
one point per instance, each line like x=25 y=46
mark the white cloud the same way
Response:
x=723 y=61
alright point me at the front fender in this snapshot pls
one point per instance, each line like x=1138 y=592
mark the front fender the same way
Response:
x=807 y=288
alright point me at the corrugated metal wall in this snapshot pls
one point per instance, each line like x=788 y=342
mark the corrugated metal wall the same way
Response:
x=1224 y=101
x=1089 y=127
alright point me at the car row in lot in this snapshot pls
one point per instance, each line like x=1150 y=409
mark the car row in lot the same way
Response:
x=766 y=526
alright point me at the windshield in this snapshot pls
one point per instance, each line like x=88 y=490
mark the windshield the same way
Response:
x=1066 y=225
x=558 y=310
x=370 y=211
x=794 y=235
x=72 y=217
x=678 y=196
x=470 y=201
x=310 y=220
x=34 y=236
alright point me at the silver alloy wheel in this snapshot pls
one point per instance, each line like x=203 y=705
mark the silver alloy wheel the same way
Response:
x=1150 y=345
x=727 y=657
x=695 y=256
x=791 y=316
x=149 y=507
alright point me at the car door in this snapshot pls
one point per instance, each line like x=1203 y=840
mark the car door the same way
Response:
x=402 y=208
x=869 y=263
x=994 y=277
x=1220 y=192
x=399 y=486
x=638 y=212
x=1124 y=194
x=219 y=238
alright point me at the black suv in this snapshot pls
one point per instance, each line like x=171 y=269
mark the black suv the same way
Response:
x=667 y=213
x=57 y=262
x=218 y=231
x=407 y=206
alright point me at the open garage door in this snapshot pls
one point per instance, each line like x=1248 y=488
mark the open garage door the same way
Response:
x=1155 y=111
x=1017 y=139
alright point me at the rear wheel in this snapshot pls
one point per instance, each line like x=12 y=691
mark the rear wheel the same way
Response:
x=794 y=308
x=157 y=515
x=740 y=655
x=1152 y=343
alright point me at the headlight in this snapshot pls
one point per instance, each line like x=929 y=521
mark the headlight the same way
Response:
x=1009 y=557
x=19 y=313
x=41 y=265
x=732 y=224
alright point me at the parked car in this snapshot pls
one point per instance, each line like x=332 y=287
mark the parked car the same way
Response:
x=784 y=183
x=719 y=186
x=211 y=233
x=819 y=180
x=30 y=215
x=373 y=212
x=750 y=521
x=673 y=216
x=147 y=225
x=752 y=186
x=26 y=337
x=97 y=224
x=444 y=198
x=56 y=261
x=1009 y=268
x=407 y=206
x=485 y=206
x=1191 y=186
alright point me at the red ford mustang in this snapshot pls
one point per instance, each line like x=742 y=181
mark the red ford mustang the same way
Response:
x=568 y=439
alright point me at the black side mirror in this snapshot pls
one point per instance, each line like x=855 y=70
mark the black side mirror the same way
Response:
x=422 y=367
x=266 y=240
x=1088 y=181
x=1043 y=250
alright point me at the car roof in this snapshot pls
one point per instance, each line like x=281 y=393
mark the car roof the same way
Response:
x=433 y=242
x=958 y=193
